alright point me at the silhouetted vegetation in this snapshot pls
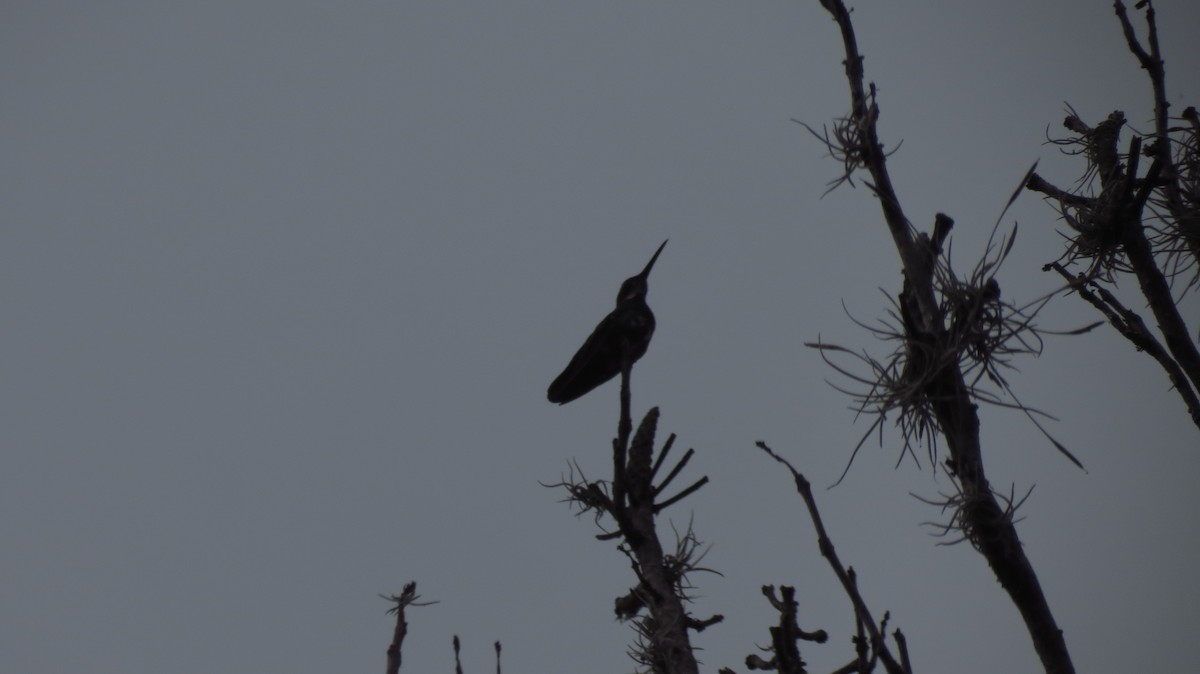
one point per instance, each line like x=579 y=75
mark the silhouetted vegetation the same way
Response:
x=953 y=336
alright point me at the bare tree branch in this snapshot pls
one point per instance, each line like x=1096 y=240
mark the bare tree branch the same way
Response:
x=408 y=597
x=1144 y=225
x=631 y=500
x=825 y=544
x=942 y=384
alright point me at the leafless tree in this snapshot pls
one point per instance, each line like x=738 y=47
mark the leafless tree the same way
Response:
x=954 y=335
x=955 y=332
x=1126 y=222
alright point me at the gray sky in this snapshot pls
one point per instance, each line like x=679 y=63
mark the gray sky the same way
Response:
x=284 y=284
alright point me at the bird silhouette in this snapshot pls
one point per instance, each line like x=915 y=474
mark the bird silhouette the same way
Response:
x=619 y=340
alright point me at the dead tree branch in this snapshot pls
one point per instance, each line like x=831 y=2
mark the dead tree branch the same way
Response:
x=1147 y=226
x=876 y=645
x=631 y=500
x=408 y=597
x=933 y=334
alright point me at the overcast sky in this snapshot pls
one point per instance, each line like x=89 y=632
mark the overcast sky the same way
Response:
x=284 y=284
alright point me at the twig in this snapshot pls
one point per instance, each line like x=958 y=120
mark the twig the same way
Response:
x=825 y=544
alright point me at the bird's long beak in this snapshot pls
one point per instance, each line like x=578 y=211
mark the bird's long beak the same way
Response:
x=646 y=272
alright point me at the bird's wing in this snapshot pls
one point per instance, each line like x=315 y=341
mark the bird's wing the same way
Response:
x=597 y=361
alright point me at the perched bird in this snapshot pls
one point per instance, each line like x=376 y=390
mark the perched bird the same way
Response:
x=620 y=339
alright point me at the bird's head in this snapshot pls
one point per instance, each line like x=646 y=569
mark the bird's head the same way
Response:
x=636 y=286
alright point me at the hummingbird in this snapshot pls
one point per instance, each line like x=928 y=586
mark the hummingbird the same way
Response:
x=619 y=340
